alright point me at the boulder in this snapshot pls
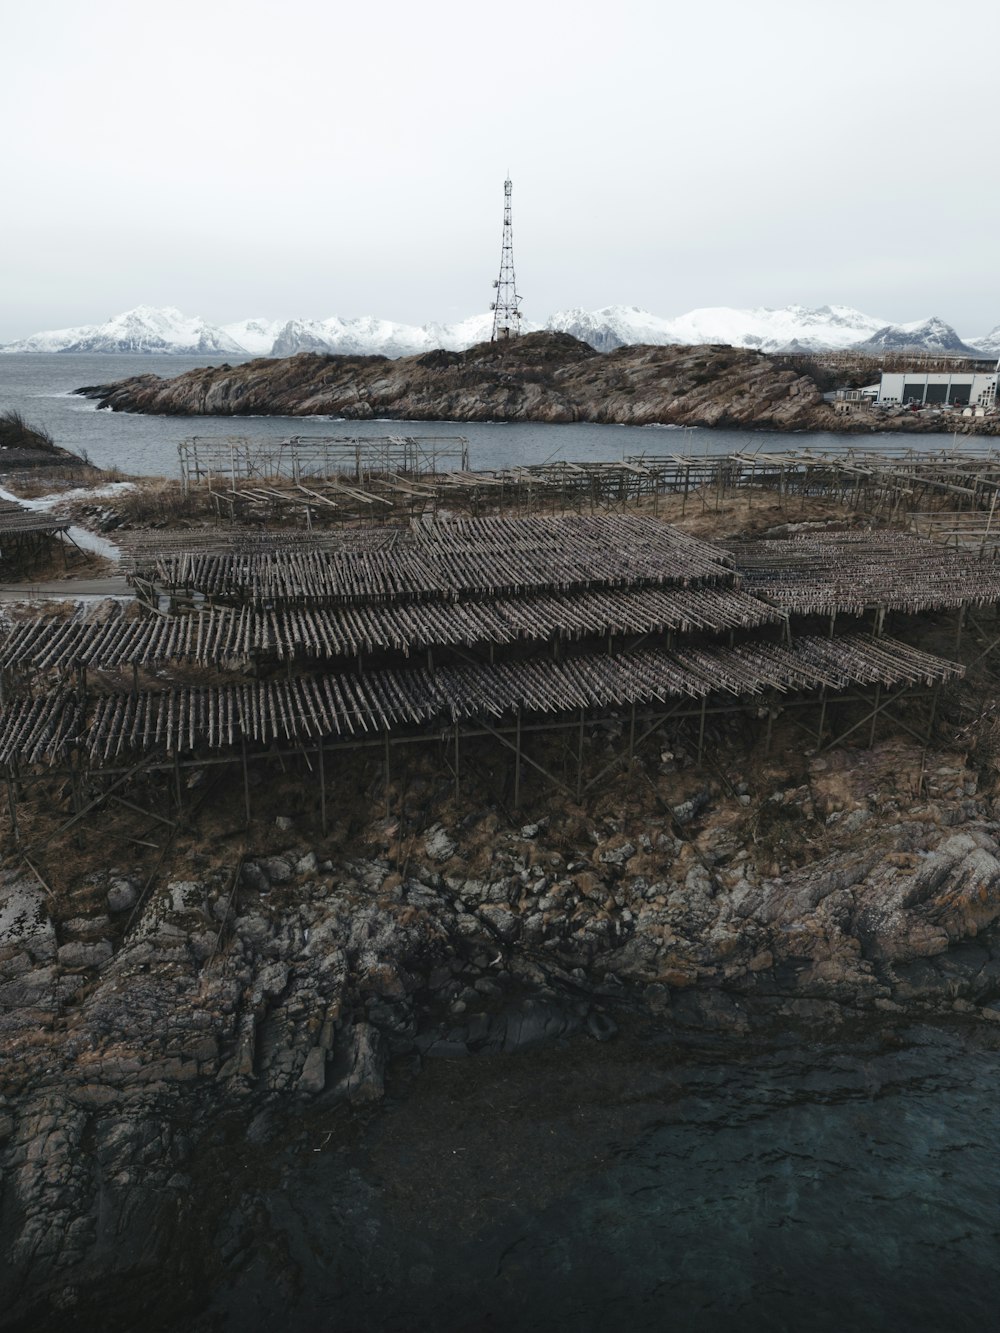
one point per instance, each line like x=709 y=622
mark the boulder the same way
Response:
x=24 y=919
x=122 y=895
x=186 y=895
x=438 y=845
x=504 y=923
x=278 y=869
x=254 y=876
x=617 y=856
x=313 y=1077
x=79 y=954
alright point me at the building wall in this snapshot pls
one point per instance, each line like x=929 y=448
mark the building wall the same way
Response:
x=938 y=389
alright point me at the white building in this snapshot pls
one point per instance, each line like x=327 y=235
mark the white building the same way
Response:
x=939 y=389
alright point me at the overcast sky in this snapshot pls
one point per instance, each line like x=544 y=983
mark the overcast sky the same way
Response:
x=237 y=158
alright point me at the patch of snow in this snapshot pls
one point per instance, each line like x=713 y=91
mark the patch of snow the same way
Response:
x=110 y=488
x=83 y=537
x=66 y=590
x=93 y=541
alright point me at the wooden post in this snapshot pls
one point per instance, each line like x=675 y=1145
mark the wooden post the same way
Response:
x=871 y=736
x=322 y=787
x=246 y=779
x=701 y=726
x=12 y=805
x=822 y=716
x=934 y=704
x=579 y=760
x=517 y=763
x=387 y=803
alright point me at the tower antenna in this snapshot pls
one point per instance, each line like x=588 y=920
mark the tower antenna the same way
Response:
x=506 y=315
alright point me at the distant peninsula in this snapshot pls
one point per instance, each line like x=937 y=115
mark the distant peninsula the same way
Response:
x=544 y=377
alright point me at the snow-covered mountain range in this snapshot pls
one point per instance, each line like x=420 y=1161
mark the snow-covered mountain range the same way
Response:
x=368 y=335
x=143 y=330
x=928 y=335
x=792 y=328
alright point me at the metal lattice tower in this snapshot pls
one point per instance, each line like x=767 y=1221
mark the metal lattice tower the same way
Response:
x=506 y=315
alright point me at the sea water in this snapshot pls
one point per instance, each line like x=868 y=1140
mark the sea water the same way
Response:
x=641 y=1185
x=41 y=386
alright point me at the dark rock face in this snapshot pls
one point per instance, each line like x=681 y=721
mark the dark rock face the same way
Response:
x=541 y=377
x=301 y=988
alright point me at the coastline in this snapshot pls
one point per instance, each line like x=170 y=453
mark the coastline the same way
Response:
x=542 y=378
x=195 y=1029
x=262 y=988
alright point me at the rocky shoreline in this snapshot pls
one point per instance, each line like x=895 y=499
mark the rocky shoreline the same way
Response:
x=245 y=990
x=542 y=377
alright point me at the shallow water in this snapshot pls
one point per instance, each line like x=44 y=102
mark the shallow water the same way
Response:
x=41 y=386
x=633 y=1186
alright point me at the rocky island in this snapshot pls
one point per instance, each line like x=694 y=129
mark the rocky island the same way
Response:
x=545 y=377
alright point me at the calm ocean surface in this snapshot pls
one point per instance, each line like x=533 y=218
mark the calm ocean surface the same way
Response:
x=41 y=386
x=595 y=1189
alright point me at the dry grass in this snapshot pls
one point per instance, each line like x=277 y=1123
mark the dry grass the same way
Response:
x=16 y=433
x=159 y=502
x=746 y=512
x=52 y=480
x=162 y=502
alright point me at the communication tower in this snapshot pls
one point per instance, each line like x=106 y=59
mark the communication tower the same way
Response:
x=506 y=315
